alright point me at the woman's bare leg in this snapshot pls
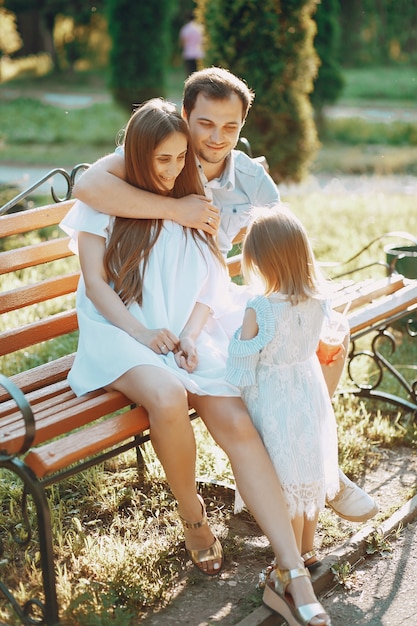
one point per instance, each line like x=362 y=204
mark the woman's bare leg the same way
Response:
x=229 y=423
x=172 y=436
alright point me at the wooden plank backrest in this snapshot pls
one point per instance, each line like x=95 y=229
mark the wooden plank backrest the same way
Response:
x=365 y=292
x=383 y=308
x=29 y=256
x=42 y=330
x=20 y=336
x=18 y=291
x=40 y=292
x=32 y=219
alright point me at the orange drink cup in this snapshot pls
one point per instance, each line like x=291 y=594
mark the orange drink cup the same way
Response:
x=333 y=332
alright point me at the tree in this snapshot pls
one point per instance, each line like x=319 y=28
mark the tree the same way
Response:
x=378 y=32
x=140 y=54
x=329 y=82
x=36 y=19
x=270 y=45
x=9 y=37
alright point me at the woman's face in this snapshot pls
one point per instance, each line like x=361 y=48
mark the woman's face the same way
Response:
x=169 y=160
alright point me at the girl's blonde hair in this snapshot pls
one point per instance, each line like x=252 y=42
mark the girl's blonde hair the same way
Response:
x=277 y=251
x=132 y=240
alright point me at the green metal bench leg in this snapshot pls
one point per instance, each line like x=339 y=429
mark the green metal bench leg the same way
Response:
x=35 y=611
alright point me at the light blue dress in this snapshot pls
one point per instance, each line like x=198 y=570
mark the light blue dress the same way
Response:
x=284 y=389
x=179 y=274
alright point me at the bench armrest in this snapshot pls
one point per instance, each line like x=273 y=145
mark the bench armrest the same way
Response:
x=23 y=405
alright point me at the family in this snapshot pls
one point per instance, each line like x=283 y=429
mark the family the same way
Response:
x=156 y=307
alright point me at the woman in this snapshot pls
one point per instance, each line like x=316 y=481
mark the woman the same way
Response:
x=149 y=307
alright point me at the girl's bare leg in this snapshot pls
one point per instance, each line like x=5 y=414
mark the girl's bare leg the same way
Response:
x=172 y=436
x=297 y=524
x=307 y=537
x=229 y=423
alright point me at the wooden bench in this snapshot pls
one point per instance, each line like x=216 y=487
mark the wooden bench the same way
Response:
x=374 y=306
x=46 y=432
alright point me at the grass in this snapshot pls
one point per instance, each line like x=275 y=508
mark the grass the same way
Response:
x=396 y=85
x=118 y=543
x=34 y=132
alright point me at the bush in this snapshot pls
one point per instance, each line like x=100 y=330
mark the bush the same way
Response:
x=270 y=45
x=139 y=58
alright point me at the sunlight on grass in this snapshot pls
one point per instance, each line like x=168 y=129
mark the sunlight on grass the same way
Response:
x=117 y=538
x=34 y=65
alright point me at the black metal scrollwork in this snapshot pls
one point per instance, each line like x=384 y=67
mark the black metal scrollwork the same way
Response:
x=372 y=388
x=69 y=179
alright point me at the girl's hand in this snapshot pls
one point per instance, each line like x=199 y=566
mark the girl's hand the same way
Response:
x=160 y=340
x=186 y=357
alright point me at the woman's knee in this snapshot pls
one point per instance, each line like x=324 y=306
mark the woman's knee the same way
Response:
x=159 y=392
x=169 y=406
x=231 y=424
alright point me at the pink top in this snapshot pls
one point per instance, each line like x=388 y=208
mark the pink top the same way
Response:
x=191 y=37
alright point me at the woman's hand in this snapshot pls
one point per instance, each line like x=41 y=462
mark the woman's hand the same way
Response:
x=160 y=340
x=186 y=357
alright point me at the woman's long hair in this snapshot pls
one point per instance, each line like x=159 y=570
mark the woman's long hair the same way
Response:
x=131 y=240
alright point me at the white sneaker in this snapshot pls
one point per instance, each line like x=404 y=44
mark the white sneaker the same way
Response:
x=351 y=502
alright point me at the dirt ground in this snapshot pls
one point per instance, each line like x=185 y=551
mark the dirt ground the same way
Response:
x=228 y=598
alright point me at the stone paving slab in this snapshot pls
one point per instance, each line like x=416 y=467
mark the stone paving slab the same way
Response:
x=351 y=551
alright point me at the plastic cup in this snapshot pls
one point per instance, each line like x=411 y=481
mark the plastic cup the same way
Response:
x=334 y=330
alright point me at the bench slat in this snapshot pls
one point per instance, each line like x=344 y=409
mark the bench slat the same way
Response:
x=383 y=308
x=359 y=294
x=70 y=415
x=31 y=219
x=20 y=258
x=234 y=265
x=85 y=443
x=41 y=376
x=33 y=294
x=36 y=332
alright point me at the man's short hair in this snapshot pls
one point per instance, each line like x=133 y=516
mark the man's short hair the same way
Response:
x=216 y=83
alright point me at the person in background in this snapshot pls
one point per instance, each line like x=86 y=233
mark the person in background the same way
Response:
x=215 y=106
x=273 y=360
x=191 y=39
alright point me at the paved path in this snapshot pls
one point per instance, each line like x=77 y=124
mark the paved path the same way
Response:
x=383 y=589
x=25 y=175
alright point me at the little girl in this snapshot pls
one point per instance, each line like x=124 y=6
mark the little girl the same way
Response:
x=272 y=358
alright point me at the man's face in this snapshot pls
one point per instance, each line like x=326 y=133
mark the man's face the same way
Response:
x=215 y=126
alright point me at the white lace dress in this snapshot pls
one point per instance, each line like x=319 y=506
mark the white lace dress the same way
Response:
x=179 y=274
x=284 y=389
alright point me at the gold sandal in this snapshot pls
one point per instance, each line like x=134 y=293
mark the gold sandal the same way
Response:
x=213 y=553
x=276 y=598
x=307 y=556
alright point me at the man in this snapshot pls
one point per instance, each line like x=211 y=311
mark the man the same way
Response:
x=215 y=105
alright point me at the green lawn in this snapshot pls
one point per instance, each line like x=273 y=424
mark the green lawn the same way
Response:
x=117 y=539
x=34 y=132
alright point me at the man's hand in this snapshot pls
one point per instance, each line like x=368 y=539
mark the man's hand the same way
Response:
x=196 y=211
